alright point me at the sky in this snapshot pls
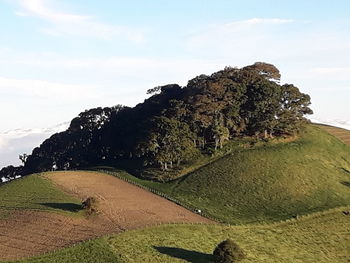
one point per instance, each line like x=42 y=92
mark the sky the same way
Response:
x=61 y=57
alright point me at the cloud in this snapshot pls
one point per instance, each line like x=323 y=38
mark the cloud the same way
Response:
x=257 y=21
x=239 y=39
x=44 y=89
x=63 y=24
x=19 y=141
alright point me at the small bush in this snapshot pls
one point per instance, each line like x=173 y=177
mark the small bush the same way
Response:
x=90 y=205
x=228 y=252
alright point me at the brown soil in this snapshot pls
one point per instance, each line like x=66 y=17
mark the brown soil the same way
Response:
x=121 y=206
x=342 y=134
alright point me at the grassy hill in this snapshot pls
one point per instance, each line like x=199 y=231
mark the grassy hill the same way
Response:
x=35 y=192
x=342 y=134
x=268 y=182
x=322 y=237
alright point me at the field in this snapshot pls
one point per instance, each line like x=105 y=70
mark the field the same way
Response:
x=268 y=182
x=307 y=179
x=35 y=193
x=321 y=237
x=342 y=134
x=30 y=229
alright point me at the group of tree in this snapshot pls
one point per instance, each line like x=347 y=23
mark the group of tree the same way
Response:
x=177 y=123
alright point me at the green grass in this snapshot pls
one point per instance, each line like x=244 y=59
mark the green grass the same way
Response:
x=35 y=192
x=322 y=237
x=268 y=182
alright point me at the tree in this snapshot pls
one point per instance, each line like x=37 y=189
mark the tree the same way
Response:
x=23 y=158
x=293 y=106
x=169 y=141
x=269 y=71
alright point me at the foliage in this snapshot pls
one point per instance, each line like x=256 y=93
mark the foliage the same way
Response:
x=228 y=252
x=178 y=123
x=317 y=238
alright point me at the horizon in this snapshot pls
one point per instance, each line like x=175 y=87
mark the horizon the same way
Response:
x=59 y=58
x=103 y=55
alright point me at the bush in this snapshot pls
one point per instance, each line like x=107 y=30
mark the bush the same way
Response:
x=90 y=205
x=228 y=252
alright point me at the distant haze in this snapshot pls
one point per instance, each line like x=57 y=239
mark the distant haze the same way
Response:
x=16 y=142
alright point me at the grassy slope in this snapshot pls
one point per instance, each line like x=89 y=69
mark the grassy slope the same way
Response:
x=35 y=192
x=270 y=182
x=322 y=237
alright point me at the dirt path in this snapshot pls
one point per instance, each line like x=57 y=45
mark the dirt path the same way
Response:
x=122 y=206
x=342 y=134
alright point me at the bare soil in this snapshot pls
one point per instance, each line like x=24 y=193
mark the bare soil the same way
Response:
x=121 y=206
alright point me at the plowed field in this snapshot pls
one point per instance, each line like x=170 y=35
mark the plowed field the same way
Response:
x=121 y=206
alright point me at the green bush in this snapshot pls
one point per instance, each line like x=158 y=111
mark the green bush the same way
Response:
x=228 y=252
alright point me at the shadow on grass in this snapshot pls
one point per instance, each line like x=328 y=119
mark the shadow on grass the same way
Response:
x=345 y=183
x=188 y=255
x=345 y=170
x=70 y=207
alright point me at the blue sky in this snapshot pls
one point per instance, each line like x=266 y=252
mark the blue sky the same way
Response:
x=60 y=57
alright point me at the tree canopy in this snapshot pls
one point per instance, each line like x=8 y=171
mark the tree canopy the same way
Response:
x=177 y=123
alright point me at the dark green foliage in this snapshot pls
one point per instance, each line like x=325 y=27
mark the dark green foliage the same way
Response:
x=178 y=123
x=228 y=252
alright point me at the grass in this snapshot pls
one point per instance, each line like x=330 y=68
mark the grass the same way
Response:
x=267 y=182
x=342 y=134
x=35 y=192
x=321 y=237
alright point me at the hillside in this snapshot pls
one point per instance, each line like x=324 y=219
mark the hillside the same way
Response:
x=42 y=213
x=342 y=134
x=268 y=182
x=319 y=238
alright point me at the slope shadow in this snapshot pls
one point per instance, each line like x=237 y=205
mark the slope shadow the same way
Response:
x=70 y=207
x=345 y=183
x=188 y=255
x=345 y=170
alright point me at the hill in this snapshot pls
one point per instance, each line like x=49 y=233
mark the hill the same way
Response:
x=320 y=237
x=42 y=213
x=267 y=182
x=342 y=134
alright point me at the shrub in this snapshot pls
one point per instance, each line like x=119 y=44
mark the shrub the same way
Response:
x=90 y=205
x=228 y=252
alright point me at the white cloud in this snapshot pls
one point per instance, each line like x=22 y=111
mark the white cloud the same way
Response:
x=238 y=34
x=257 y=21
x=332 y=70
x=63 y=23
x=44 y=89
x=19 y=141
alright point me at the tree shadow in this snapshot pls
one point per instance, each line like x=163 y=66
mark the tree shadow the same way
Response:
x=188 y=255
x=345 y=183
x=70 y=207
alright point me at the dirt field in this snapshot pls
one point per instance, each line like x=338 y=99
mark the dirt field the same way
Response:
x=122 y=206
x=342 y=134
